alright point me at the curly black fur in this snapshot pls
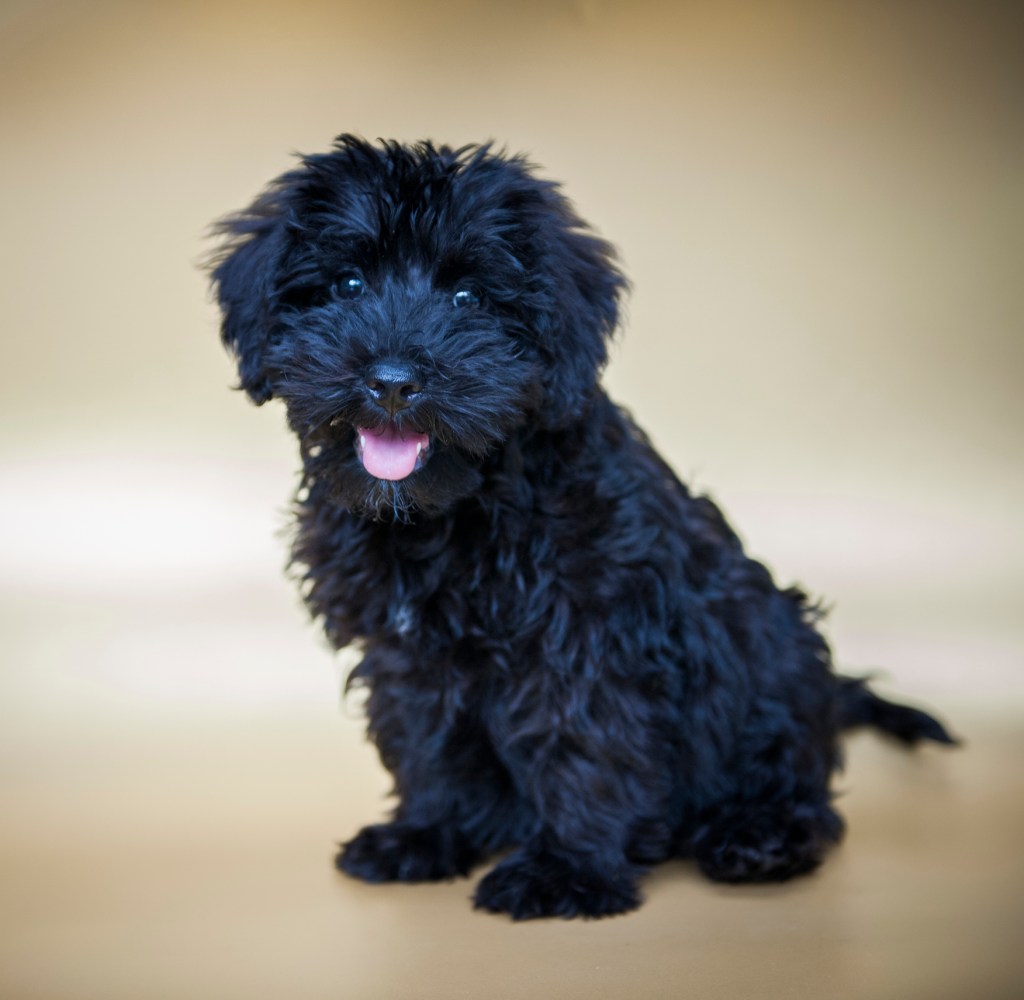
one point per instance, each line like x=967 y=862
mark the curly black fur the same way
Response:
x=565 y=652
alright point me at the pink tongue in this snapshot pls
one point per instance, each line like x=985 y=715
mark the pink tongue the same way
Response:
x=389 y=454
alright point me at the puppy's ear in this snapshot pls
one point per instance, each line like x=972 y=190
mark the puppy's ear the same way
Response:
x=579 y=311
x=244 y=273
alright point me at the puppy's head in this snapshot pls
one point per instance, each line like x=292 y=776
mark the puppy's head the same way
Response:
x=414 y=307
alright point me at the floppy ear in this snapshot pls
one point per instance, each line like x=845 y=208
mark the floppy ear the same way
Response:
x=244 y=273
x=579 y=311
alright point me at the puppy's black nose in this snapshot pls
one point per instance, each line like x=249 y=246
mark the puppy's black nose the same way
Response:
x=393 y=385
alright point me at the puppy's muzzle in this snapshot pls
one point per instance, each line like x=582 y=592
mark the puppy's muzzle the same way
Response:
x=393 y=385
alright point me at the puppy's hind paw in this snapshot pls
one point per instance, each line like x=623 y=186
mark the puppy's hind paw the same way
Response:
x=395 y=852
x=767 y=846
x=527 y=885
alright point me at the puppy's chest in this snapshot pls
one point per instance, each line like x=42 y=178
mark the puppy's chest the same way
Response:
x=470 y=591
x=489 y=595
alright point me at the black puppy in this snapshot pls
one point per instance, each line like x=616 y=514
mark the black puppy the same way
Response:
x=565 y=651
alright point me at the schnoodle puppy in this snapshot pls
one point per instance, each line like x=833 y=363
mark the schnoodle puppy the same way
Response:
x=565 y=652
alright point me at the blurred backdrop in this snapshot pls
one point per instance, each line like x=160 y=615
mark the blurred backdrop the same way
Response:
x=819 y=206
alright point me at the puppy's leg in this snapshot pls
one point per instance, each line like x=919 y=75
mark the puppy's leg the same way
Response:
x=779 y=821
x=544 y=879
x=406 y=852
x=592 y=787
x=751 y=842
x=454 y=810
x=454 y=796
x=571 y=867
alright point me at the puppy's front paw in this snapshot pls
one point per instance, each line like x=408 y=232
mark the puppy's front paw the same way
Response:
x=395 y=852
x=530 y=884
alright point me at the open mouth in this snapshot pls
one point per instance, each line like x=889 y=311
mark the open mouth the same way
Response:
x=391 y=453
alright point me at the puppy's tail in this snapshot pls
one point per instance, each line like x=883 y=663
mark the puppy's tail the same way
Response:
x=859 y=706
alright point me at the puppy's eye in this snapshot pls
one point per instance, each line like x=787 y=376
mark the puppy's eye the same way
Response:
x=350 y=287
x=465 y=297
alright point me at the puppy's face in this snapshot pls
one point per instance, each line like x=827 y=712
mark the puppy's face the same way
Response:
x=414 y=307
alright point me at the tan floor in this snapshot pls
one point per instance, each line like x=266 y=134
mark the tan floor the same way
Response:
x=153 y=845
x=202 y=870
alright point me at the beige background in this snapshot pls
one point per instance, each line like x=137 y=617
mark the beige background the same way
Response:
x=820 y=207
